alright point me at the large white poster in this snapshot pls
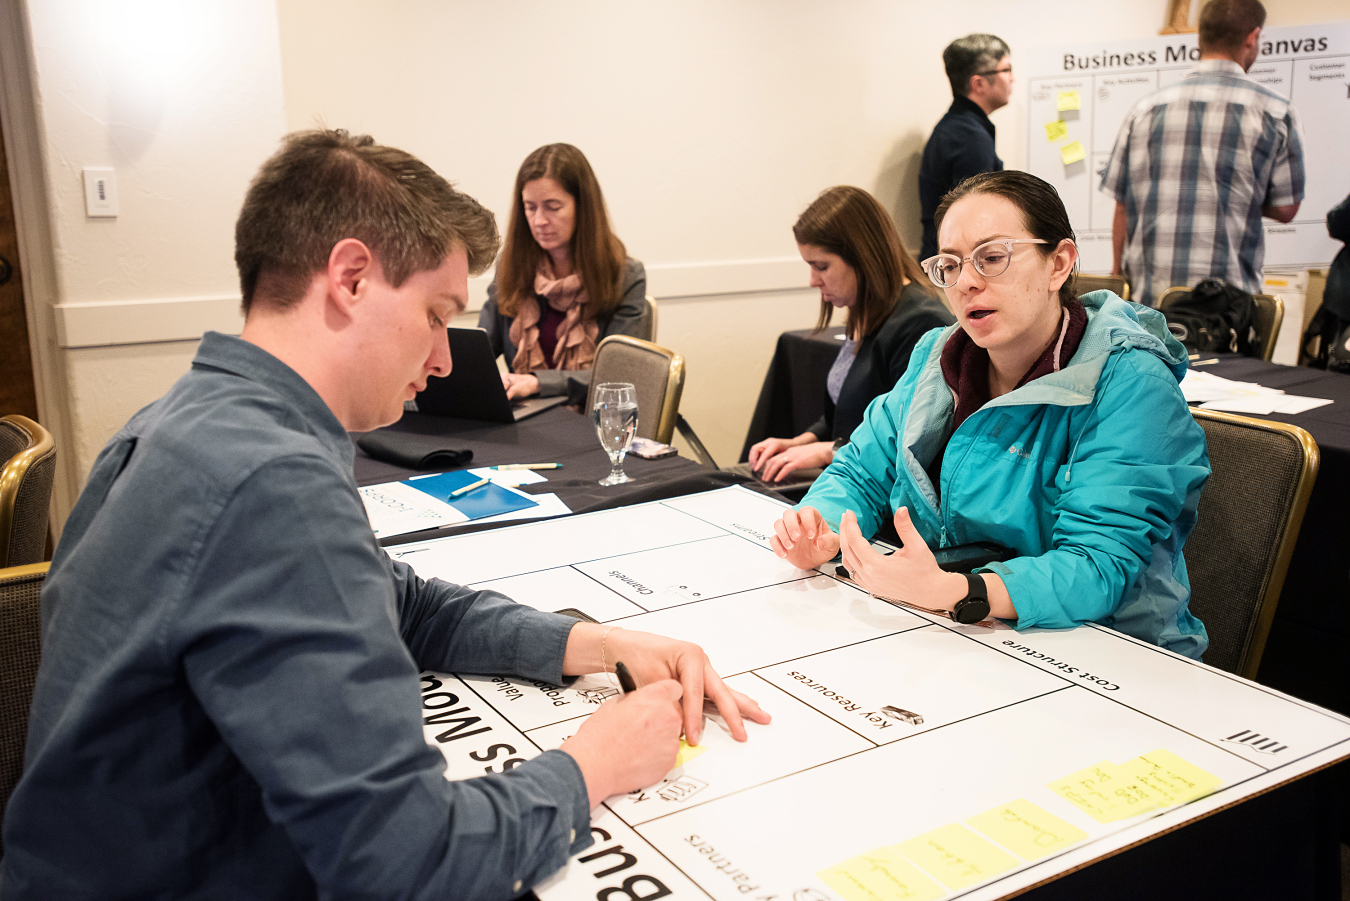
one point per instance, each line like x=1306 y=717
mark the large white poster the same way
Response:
x=908 y=757
x=1079 y=96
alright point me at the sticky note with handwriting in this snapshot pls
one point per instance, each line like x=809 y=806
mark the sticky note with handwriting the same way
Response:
x=1057 y=130
x=687 y=752
x=1026 y=829
x=956 y=856
x=880 y=875
x=1068 y=100
x=1100 y=792
x=1072 y=152
x=1168 y=779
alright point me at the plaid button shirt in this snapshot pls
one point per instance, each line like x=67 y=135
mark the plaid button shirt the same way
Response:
x=1193 y=165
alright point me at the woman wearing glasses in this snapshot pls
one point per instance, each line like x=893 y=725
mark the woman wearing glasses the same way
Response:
x=859 y=265
x=564 y=282
x=1051 y=427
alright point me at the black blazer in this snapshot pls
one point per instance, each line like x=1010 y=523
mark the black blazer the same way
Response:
x=882 y=358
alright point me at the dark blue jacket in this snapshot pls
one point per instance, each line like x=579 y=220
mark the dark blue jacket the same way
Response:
x=961 y=145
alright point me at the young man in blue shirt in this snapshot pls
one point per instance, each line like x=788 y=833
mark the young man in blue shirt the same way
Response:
x=228 y=704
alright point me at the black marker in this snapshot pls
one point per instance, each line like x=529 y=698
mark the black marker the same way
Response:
x=625 y=678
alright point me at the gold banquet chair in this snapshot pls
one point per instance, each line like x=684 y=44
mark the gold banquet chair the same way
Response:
x=1116 y=284
x=1250 y=513
x=25 y=489
x=655 y=315
x=20 y=587
x=656 y=373
x=1268 y=317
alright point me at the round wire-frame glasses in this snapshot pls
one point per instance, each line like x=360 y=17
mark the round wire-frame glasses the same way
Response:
x=990 y=259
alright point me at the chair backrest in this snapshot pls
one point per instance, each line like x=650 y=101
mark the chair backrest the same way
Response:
x=20 y=587
x=29 y=456
x=1267 y=319
x=656 y=373
x=1172 y=295
x=1116 y=284
x=1262 y=474
x=653 y=314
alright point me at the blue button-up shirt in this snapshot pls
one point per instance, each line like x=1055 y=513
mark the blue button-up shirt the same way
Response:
x=228 y=704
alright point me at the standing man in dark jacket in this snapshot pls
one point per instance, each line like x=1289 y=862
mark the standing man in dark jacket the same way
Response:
x=980 y=70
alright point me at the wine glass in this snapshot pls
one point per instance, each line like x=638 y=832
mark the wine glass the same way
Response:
x=616 y=419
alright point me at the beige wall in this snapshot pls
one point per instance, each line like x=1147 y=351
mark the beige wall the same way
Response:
x=183 y=100
x=711 y=125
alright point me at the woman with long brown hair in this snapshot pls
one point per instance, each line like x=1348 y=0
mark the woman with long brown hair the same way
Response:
x=859 y=265
x=564 y=281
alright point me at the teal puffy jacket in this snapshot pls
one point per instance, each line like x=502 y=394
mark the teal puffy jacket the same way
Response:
x=1092 y=475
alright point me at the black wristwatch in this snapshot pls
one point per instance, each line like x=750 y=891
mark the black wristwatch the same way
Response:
x=974 y=607
x=838 y=443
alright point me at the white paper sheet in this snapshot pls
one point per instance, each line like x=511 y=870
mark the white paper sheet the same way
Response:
x=1217 y=393
x=396 y=509
x=509 y=478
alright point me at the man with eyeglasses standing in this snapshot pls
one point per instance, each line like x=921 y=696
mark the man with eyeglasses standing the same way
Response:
x=980 y=71
x=1197 y=165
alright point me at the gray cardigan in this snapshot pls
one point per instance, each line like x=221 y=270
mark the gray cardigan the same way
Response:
x=631 y=317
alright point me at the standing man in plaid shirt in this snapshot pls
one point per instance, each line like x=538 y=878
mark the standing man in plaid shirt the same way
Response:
x=1197 y=165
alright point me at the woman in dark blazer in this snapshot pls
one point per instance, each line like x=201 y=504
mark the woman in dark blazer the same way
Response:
x=859 y=264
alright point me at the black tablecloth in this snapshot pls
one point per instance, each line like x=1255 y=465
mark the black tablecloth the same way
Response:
x=793 y=396
x=1308 y=653
x=554 y=436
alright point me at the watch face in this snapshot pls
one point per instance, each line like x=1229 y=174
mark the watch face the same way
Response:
x=969 y=611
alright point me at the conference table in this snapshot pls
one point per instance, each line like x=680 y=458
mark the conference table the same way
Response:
x=557 y=435
x=1224 y=845
x=972 y=762
x=1308 y=652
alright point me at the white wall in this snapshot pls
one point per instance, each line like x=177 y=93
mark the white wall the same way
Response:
x=184 y=100
x=710 y=124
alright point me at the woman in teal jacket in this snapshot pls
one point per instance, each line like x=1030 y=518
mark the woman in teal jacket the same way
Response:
x=1055 y=428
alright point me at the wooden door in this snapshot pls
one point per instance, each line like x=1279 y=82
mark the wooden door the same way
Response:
x=17 y=391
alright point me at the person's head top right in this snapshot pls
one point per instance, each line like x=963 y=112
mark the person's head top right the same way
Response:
x=1231 y=29
x=325 y=186
x=979 y=69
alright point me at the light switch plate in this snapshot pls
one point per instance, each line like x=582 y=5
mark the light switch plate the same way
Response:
x=100 y=193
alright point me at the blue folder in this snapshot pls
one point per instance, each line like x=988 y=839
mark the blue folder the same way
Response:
x=488 y=500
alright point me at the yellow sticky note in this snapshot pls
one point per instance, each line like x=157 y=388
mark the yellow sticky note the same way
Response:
x=1101 y=792
x=1072 y=152
x=687 y=752
x=956 y=856
x=1168 y=779
x=1068 y=100
x=880 y=875
x=1057 y=130
x=1026 y=829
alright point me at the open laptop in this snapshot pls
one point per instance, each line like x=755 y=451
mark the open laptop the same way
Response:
x=473 y=389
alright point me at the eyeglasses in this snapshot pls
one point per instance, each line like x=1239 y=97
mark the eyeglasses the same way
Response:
x=990 y=259
x=992 y=72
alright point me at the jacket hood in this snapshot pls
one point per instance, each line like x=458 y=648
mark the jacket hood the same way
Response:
x=1118 y=324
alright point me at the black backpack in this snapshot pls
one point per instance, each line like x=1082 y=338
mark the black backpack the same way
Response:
x=1215 y=316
